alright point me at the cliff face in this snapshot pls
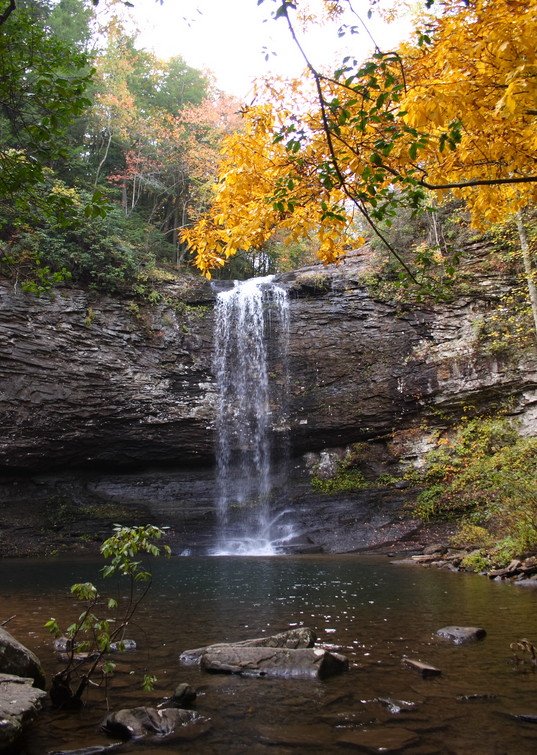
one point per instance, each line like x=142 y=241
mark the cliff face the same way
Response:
x=87 y=380
x=116 y=388
x=363 y=369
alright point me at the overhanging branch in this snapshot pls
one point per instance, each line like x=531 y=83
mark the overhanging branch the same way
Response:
x=8 y=11
x=478 y=182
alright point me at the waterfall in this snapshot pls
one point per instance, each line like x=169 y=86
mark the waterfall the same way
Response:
x=250 y=364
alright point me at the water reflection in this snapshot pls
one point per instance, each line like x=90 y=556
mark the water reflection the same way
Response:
x=375 y=612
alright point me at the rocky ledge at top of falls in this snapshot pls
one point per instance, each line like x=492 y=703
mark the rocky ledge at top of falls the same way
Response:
x=90 y=380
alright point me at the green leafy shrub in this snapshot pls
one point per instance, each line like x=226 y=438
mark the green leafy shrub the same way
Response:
x=464 y=471
x=471 y=536
x=103 y=251
x=485 y=476
x=345 y=480
x=477 y=561
x=127 y=551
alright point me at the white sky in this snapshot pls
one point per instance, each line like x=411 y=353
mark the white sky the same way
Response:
x=228 y=38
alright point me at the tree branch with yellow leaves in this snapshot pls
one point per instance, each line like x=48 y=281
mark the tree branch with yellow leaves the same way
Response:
x=452 y=112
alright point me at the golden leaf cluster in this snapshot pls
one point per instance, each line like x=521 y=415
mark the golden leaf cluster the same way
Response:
x=456 y=111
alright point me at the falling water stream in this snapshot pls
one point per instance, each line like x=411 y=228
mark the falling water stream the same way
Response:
x=251 y=337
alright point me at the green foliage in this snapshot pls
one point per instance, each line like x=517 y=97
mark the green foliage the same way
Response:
x=104 y=252
x=43 y=83
x=476 y=561
x=149 y=682
x=76 y=203
x=126 y=543
x=485 y=476
x=94 y=635
x=482 y=458
x=471 y=536
x=346 y=479
x=508 y=328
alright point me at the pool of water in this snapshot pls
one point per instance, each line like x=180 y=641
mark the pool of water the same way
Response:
x=374 y=611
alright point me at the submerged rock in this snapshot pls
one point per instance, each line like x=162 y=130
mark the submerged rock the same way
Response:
x=135 y=723
x=20 y=704
x=461 y=635
x=122 y=646
x=184 y=695
x=424 y=668
x=18 y=660
x=281 y=662
x=302 y=637
x=527 y=718
x=295 y=735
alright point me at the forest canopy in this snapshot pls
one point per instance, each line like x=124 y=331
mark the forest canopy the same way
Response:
x=105 y=150
x=115 y=164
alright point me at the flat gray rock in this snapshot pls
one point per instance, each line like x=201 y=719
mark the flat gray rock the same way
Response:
x=280 y=662
x=424 y=668
x=301 y=637
x=20 y=704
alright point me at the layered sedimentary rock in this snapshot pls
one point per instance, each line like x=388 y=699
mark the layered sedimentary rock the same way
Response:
x=96 y=392
x=88 y=380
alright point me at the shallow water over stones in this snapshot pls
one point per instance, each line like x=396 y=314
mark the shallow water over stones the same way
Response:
x=370 y=609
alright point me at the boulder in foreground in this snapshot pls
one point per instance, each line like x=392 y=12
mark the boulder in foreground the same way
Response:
x=20 y=704
x=18 y=660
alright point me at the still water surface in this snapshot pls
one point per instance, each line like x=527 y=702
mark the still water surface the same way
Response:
x=373 y=610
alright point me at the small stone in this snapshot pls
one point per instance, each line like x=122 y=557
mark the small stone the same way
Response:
x=395 y=706
x=526 y=582
x=476 y=697
x=135 y=723
x=461 y=635
x=527 y=718
x=184 y=695
x=95 y=750
x=425 y=669
x=63 y=644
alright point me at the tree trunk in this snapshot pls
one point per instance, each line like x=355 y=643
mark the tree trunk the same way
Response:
x=107 y=149
x=525 y=247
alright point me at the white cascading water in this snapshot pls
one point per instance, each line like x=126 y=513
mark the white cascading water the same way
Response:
x=251 y=336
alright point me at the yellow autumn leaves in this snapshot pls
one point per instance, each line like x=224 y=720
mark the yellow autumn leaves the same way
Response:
x=480 y=70
x=454 y=112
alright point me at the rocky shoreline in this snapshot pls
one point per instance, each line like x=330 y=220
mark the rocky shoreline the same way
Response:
x=520 y=571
